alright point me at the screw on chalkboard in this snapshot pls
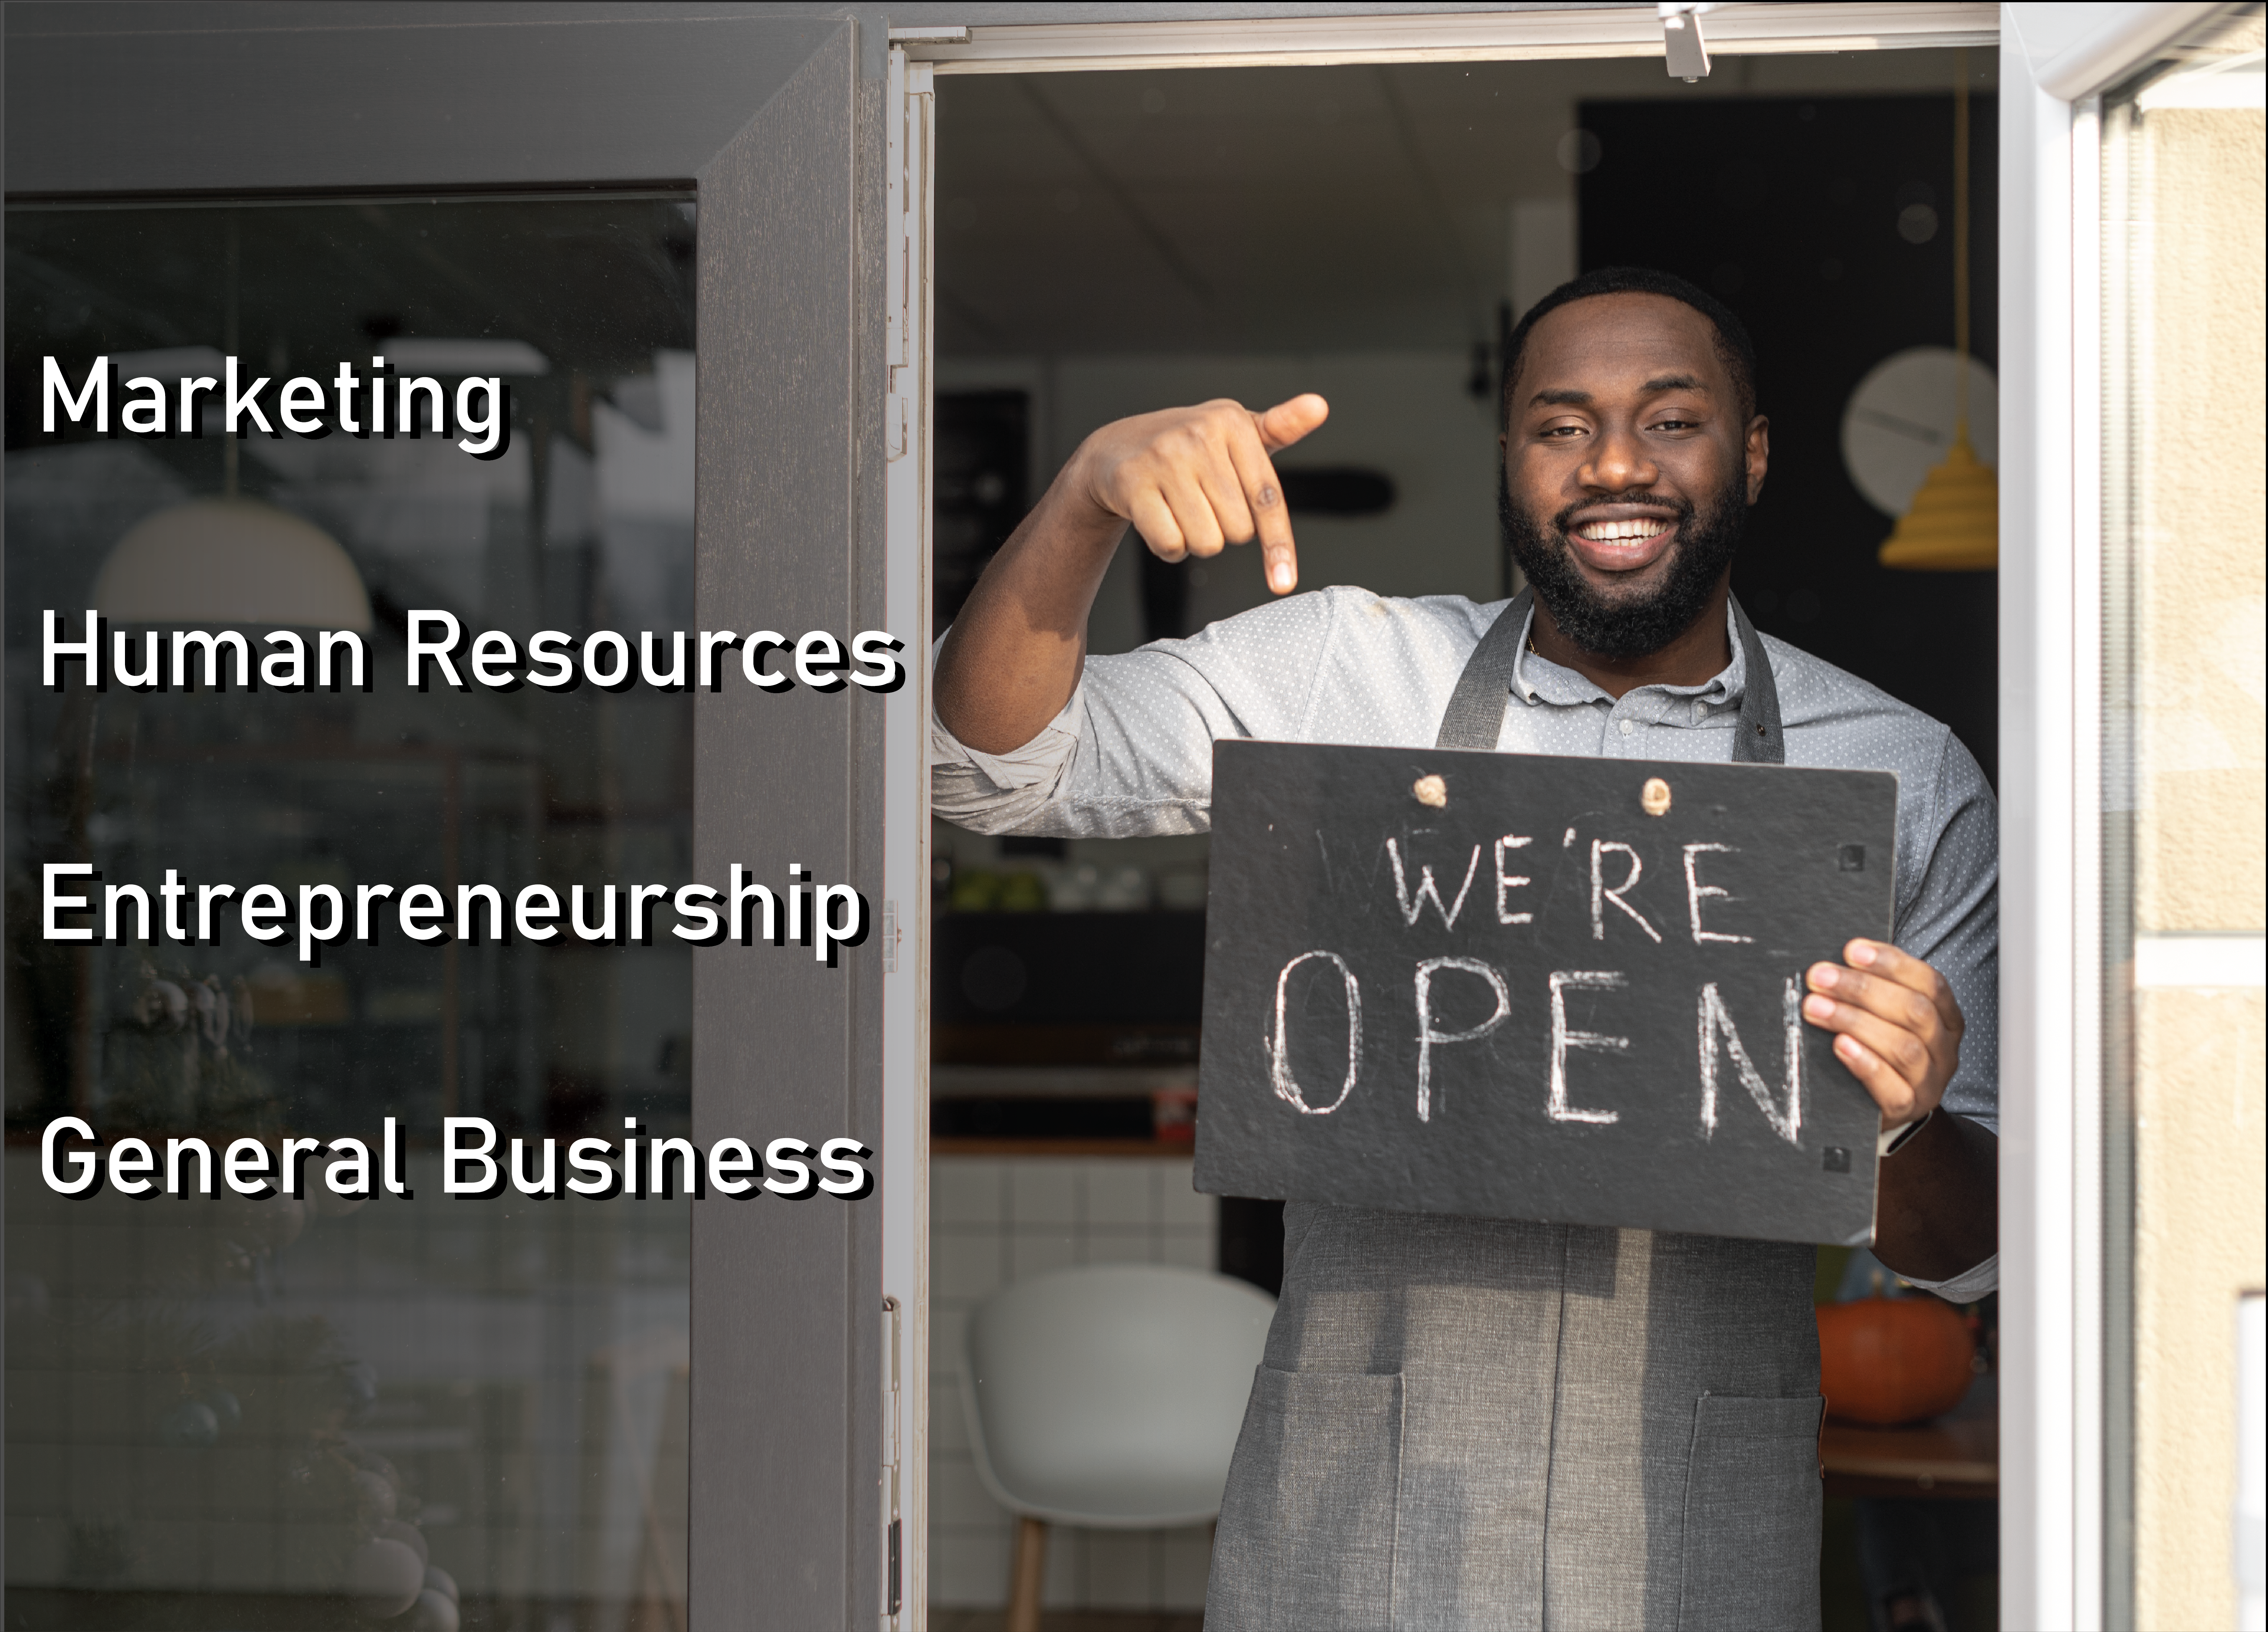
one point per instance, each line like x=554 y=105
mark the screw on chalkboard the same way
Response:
x=1838 y=1160
x=1852 y=859
x=1653 y=798
x=1430 y=790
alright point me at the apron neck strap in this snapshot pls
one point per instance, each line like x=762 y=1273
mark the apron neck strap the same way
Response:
x=1758 y=740
x=1474 y=716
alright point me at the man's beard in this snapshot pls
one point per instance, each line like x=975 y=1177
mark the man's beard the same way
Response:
x=1626 y=625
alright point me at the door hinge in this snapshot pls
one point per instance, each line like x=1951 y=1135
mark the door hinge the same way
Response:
x=898 y=266
x=903 y=264
x=894 y=1563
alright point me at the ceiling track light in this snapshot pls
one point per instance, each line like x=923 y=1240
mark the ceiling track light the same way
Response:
x=1684 y=53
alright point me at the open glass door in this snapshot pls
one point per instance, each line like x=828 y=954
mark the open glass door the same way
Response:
x=626 y=1407
x=225 y=1410
x=2180 y=957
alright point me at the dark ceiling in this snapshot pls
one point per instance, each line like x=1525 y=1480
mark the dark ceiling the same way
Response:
x=1293 y=209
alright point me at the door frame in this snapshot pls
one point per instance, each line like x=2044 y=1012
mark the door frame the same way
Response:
x=2054 y=58
x=2058 y=1566
x=908 y=116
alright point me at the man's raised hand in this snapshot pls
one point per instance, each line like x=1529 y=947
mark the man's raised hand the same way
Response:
x=1191 y=479
x=1194 y=480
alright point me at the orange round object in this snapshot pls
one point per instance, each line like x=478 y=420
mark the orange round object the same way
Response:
x=1885 y=1360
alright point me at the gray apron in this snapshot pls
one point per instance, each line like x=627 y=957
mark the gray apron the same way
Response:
x=1506 y=1427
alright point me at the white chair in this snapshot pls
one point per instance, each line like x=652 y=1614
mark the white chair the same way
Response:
x=1107 y=1398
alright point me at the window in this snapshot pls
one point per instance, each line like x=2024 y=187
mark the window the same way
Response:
x=2183 y=839
x=261 y=1411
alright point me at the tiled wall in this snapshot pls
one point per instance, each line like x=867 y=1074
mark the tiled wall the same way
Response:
x=993 y=1222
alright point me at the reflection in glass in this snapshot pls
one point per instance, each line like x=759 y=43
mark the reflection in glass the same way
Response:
x=243 y=1413
x=2181 y=833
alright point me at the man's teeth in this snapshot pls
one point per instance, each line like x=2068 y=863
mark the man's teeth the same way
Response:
x=1616 y=532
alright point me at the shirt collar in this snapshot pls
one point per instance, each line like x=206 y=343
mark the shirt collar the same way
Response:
x=1537 y=679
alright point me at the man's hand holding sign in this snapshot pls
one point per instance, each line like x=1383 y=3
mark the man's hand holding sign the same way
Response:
x=1615 y=1051
x=1898 y=1030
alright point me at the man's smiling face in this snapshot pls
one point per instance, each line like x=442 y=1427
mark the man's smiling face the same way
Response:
x=1631 y=460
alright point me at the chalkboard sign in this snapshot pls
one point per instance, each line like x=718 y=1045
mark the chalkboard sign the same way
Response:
x=1521 y=986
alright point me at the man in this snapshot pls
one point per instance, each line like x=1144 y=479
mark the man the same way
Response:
x=1484 y=1423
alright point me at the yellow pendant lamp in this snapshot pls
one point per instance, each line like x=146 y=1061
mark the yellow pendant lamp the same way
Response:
x=1953 y=523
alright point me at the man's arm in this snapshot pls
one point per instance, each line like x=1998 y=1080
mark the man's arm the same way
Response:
x=1899 y=1030
x=1936 y=1213
x=1192 y=480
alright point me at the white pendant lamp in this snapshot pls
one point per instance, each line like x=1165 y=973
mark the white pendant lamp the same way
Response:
x=231 y=561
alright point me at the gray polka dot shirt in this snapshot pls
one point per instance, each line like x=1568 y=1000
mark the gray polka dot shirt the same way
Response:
x=1131 y=753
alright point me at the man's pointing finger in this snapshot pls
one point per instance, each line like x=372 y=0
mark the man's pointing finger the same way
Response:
x=1263 y=496
x=1277 y=428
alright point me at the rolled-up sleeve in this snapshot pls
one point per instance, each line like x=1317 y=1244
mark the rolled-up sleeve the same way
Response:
x=1131 y=753
x=1952 y=921
x=999 y=793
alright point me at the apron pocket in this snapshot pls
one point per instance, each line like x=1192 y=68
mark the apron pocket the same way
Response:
x=1751 y=1542
x=1305 y=1537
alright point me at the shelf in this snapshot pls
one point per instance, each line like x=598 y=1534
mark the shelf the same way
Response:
x=1151 y=1148
x=1954 y=1459
x=1062 y=1046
